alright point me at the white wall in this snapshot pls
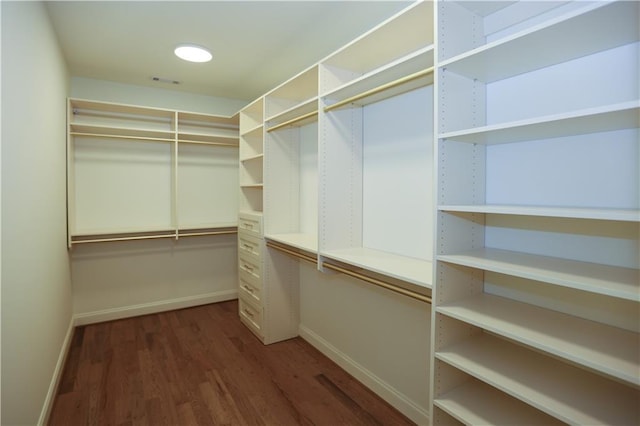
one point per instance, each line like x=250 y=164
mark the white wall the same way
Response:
x=120 y=279
x=109 y=91
x=378 y=336
x=36 y=289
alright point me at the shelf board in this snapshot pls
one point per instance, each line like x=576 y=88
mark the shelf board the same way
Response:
x=624 y=215
x=93 y=107
x=561 y=390
x=252 y=185
x=253 y=131
x=207 y=120
x=370 y=82
x=299 y=115
x=573 y=35
x=623 y=283
x=258 y=157
x=387 y=41
x=306 y=242
x=412 y=270
x=474 y=403
x=608 y=350
x=620 y=116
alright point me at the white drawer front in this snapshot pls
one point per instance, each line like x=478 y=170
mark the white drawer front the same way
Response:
x=249 y=291
x=249 y=266
x=251 y=316
x=249 y=245
x=252 y=224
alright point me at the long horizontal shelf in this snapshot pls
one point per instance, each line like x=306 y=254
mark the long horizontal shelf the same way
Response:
x=412 y=270
x=559 y=389
x=214 y=139
x=606 y=118
x=299 y=115
x=121 y=132
x=306 y=242
x=624 y=215
x=207 y=120
x=596 y=27
x=92 y=107
x=602 y=348
x=623 y=283
x=474 y=403
x=405 y=74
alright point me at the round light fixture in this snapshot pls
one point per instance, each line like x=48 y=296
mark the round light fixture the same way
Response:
x=193 y=53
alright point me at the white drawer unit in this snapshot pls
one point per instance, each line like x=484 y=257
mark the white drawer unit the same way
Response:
x=249 y=245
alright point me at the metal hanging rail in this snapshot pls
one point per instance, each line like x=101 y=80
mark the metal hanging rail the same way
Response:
x=293 y=121
x=380 y=283
x=380 y=88
x=299 y=255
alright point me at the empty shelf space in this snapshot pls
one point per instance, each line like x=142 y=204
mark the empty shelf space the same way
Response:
x=589 y=34
x=606 y=349
x=253 y=131
x=208 y=139
x=403 y=75
x=412 y=270
x=606 y=118
x=559 y=389
x=625 y=215
x=612 y=281
x=475 y=403
x=258 y=157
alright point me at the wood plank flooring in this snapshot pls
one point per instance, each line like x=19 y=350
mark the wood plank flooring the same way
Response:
x=201 y=366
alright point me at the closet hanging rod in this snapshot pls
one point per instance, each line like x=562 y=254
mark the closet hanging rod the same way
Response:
x=380 y=88
x=207 y=143
x=139 y=138
x=131 y=238
x=293 y=120
x=204 y=233
x=301 y=256
x=374 y=281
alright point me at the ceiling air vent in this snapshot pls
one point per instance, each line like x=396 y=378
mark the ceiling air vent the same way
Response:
x=165 y=80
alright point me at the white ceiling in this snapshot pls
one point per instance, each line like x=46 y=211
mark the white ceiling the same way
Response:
x=256 y=44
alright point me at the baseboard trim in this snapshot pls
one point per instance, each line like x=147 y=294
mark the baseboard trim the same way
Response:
x=153 y=307
x=399 y=401
x=57 y=375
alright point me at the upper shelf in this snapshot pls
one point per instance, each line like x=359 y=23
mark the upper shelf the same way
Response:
x=387 y=42
x=620 y=116
x=625 y=215
x=300 y=114
x=404 y=74
x=596 y=27
x=600 y=279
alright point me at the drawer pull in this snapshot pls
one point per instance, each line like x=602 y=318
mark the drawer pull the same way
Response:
x=248 y=312
x=249 y=289
x=248 y=246
x=247 y=268
x=247 y=225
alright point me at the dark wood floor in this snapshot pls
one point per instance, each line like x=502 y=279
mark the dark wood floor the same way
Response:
x=201 y=366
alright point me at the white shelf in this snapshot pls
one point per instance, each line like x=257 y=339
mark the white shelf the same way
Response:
x=258 y=157
x=623 y=283
x=420 y=60
x=474 y=403
x=561 y=390
x=306 y=242
x=624 y=215
x=304 y=113
x=256 y=130
x=594 y=28
x=412 y=270
x=609 y=350
x=602 y=119
x=252 y=185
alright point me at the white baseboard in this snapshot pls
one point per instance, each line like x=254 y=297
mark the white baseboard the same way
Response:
x=153 y=307
x=399 y=401
x=57 y=375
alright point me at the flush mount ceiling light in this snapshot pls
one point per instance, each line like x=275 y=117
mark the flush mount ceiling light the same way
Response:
x=193 y=53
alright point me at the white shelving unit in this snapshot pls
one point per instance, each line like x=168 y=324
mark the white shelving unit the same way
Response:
x=537 y=284
x=375 y=150
x=142 y=173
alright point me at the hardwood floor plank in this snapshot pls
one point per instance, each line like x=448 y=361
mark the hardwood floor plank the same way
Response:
x=202 y=366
